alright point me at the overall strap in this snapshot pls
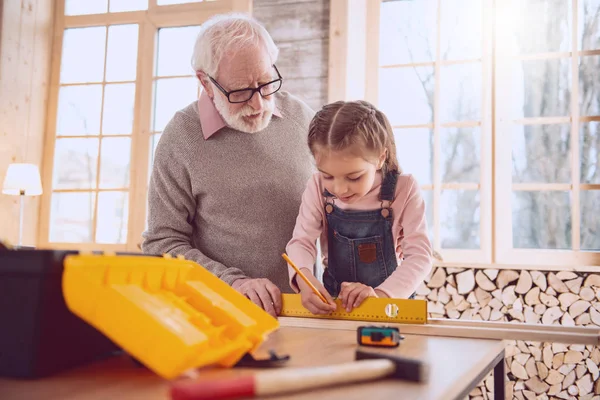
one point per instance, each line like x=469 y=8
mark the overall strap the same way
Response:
x=326 y=193
x=388 y=186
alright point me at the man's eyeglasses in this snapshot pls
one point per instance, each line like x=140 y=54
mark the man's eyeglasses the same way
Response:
x=243 y=95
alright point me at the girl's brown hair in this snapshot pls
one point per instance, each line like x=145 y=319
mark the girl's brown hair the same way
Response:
x=357 y=124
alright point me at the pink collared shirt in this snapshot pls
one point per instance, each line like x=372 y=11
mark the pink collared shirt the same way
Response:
x=210 y=119
x=413 y=248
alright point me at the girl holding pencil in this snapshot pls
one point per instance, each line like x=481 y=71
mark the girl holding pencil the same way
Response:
x=368 y=216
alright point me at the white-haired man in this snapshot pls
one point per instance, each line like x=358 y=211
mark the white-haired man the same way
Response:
x=230 y=169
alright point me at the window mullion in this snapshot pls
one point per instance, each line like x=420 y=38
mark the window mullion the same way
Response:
x=50 y=138
x=437 y=177
x=502 y=175
x=487 y=129
x=575 y=205
x=95 y=191
x=141 y=132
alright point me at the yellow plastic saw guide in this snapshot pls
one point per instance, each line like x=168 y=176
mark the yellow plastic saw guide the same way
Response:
x=400 y=311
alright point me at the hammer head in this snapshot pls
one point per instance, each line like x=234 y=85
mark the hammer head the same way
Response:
x=407 y=369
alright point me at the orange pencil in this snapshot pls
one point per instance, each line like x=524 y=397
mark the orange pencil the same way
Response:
x=301 y=275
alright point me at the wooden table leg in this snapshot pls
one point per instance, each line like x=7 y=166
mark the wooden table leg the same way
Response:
x=496 y=365
x=499 y=379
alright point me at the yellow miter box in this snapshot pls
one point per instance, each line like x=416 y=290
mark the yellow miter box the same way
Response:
x=171 y=314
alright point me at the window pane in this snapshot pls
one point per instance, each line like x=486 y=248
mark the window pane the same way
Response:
x=83 y=55
x=414 y=149
x=79 y=110
x=428 y=198
x=590 y=220
x=541 y=153
x=175 y=48
x=408 y=32
x=589 y=24
x=589 y=85
x=541 y=26
x=113 y=210
x=406 y=94
x=121 y=57
x=542 y=88
x=75 y=164
x=82 y=7
x=589 y=149
x=71 y=217
x=541 y=220
x=461 y=154
x=462 y=29
x=460 y=92
x=460 y=218
x=171 y=95
x=128 y=5
x=118 y=109
x=115 y=160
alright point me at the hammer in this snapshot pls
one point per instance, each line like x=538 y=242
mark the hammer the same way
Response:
x=369 y=366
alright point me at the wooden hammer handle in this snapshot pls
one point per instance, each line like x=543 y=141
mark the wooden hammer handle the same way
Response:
x=284 y=381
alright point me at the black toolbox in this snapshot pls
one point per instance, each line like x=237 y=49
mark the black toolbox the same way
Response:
x=39 y=336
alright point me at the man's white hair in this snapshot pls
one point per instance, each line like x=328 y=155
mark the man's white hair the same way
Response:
x=229 y=33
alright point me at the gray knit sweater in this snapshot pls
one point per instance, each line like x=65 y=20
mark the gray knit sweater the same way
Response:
x=230 y=202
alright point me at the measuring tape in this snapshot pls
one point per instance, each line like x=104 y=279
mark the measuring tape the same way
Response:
x=400 y=311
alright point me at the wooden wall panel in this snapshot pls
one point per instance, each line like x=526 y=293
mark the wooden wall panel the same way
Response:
x=25 y=52
x=301 y=30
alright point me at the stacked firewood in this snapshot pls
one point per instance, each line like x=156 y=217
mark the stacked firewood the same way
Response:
x=535 y=370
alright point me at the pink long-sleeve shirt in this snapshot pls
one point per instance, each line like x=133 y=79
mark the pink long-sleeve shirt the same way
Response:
x=413 y=248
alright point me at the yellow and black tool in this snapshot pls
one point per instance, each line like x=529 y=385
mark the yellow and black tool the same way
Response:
x=378 y=336
x=399 y=311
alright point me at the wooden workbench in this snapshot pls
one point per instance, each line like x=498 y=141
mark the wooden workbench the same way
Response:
x=456 y=366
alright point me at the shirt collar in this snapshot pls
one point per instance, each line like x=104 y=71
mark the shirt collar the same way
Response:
x=210 y=119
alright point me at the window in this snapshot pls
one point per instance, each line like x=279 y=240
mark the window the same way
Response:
x=433 y=84
x=548 y=131
x=496 y=111
x=122 y=70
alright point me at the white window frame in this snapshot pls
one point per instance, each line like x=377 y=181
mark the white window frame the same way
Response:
x=149 y=22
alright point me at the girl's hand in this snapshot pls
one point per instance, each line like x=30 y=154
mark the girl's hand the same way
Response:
x=353 y=294
x=310 y=300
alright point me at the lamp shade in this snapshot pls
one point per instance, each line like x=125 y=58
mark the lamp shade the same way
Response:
x=22 y=178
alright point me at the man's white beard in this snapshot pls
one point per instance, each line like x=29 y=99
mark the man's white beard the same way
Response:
x=237 y=121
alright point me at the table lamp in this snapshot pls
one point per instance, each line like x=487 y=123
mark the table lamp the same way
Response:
x=22 y=180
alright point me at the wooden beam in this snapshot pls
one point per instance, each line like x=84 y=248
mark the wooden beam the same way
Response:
x=338 y=49
x=468 y=329
x=372 y=52
x=349 y=52
x=51 y=112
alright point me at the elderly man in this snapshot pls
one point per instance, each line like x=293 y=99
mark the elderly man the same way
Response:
x=230 y=169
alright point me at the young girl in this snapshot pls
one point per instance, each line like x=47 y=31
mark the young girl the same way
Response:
x=370 y=218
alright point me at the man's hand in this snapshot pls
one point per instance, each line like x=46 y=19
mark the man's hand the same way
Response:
x=310 y=300
x=262 y=292
x=353 y=294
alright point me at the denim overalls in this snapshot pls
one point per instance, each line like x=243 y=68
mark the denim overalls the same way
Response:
x=360 y=244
